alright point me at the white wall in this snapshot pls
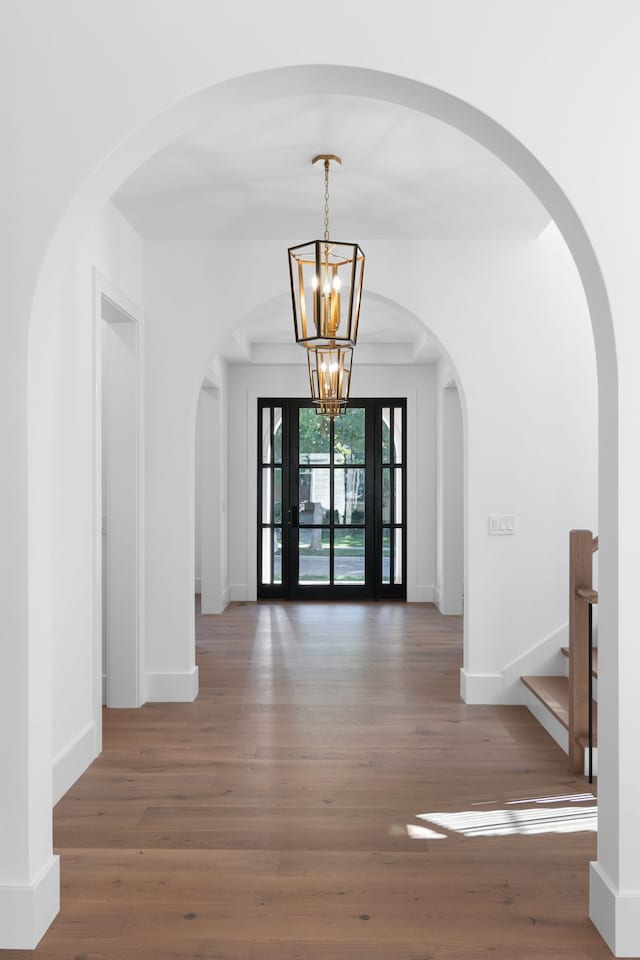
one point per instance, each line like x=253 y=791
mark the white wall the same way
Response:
x=211 y=546
x=513 y=318
x=582 y=90
x=450 y=495
x=70 y=365
x=179 y=331
x=416 y=383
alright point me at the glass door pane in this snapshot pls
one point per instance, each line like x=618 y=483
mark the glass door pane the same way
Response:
x=349 y=495
x=331 y=487
x=314 y=557
x=349 y=559
x=349 y=436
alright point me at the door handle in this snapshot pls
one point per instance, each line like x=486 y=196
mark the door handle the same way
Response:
x=293 y=516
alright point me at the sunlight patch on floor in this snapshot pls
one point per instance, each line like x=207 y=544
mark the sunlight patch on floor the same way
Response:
x=496 y=823
x=423 y=833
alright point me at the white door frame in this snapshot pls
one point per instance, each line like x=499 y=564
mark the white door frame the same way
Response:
x=209 y=457
x=124 y=683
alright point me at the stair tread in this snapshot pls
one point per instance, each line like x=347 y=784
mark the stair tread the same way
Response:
x=588 y=593
x=553 y=692
x=565 y=651
x=584 y=739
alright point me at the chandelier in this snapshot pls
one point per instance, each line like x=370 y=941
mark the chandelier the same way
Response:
x=326 y=289
x=330 y=378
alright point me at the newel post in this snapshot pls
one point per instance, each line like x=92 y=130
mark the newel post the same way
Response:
x=580 y=576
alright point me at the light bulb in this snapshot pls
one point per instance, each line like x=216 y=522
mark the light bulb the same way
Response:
x=326 y=290
x=315 y=282
x=333 y=368
x=337 y=283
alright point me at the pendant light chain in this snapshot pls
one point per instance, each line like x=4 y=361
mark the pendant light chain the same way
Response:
x=326 y=200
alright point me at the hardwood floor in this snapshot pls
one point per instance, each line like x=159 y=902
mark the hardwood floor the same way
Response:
x=268 y=820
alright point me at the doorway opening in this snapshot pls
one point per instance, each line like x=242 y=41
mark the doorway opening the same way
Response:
x=120 y=419
x=332 y=501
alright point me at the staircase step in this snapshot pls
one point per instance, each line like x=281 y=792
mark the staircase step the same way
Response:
x=565 y=651
x=553 y=692
x=584 y=741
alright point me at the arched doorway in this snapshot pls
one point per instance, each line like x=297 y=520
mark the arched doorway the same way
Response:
x=418 y=97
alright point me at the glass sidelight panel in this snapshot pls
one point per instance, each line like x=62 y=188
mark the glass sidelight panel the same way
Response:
x=386 y=495
x=349 y=495
x=314 y=552
x=398 y=436
x=266 y=435
x=386 y=434
x=349 y=556
x=391 y=542
x=397 y=490
x=277 y=555
x=266 y=495
x=266 y=555
x=277 y=495
x=386 y=556
x=271 y=483
x=277 y=434
x=397 y=557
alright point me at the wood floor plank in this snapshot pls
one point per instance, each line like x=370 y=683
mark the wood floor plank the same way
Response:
x=269 y=820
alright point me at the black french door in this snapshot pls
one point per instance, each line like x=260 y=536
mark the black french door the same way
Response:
x=332 y=501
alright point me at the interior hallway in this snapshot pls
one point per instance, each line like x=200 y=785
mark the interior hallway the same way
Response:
x=268 y=820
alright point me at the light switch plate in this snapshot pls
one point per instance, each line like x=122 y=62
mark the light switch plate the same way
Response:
x=502 y=525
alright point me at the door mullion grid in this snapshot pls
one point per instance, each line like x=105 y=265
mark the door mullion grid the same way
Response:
x=271 y=587
x=373 y=527
x=376 y=503
x=392 y=497
x=332 y=532
x=272 y=476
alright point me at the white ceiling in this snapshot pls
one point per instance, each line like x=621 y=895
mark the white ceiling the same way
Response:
x=404 y=175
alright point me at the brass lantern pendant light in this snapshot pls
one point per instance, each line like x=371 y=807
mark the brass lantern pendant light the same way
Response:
x=326 y=284
x=330 y=378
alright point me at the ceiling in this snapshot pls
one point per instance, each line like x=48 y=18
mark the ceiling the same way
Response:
x=404 y=176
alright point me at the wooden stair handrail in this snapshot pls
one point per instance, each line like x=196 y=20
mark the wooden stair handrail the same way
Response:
x=582 y=546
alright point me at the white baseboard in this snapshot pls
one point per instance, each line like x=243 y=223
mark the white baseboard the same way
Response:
x=172 y=687
x=104 y=689
x=219 y=605
x=542 y=659
x=422 y=594
x=615 y=915
x=73 y=760
x=436 y=598
x=481 y=687
x=198 y=585
x=238 y=591
x=26 y=912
